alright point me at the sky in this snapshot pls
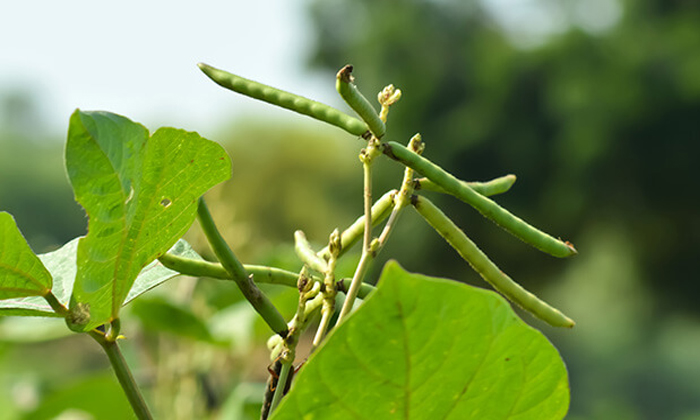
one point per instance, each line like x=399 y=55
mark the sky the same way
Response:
x=138 y=58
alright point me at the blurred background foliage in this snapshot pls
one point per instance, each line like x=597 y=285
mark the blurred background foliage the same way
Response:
x=598 y=118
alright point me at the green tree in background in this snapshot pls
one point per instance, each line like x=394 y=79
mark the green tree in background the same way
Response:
x=32 y=178
x=601 y=130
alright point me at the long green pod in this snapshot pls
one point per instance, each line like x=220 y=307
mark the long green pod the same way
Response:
x=493 y=187
x=348 y=91
x=285 y=100
x=486 y=268
x=487 y=207
x=255 y=296
x=350 y=236
x=201 y=268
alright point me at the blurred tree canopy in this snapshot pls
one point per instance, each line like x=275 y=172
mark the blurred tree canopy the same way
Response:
x=600 y=124
x=598 y=127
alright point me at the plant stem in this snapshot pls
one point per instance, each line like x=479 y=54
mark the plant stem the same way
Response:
x=380 y=210
x=56 y=305
x=255 y=296
x=367 y=237
x=126 y=379
x=330 y=289
x=402 y=198
x=366 y=256
x=281 y=384
x=322 y=328
x=355 y=284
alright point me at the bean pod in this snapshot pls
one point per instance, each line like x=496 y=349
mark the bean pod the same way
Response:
x=487 y=207
x=486 y=268
x=348 y=91
x=285 y=100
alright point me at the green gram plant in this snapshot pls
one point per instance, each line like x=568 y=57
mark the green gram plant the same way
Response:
x=416 y=347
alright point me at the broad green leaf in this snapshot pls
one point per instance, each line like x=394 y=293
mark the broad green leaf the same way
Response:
x=140 y=194
x=62 y=266
x=427 y=348
x=21 y=271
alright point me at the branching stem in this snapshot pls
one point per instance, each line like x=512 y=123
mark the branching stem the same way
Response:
x=366 y=157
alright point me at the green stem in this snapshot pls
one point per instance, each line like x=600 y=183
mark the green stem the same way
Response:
x=494 y=187
x=281 y=384
x=402 y=198
x=380 y=211
x=485 y=206
x=366 y=256
x=286 y=100
x=355 y=285
x=330 y=289
x=367 y=234
x=486 y=268
x=126 y=379
x=223 y=252
x=56 y=305
x=322 y=327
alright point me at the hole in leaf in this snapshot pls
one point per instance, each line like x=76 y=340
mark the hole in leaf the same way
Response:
x=165 y=202
x=131 y=195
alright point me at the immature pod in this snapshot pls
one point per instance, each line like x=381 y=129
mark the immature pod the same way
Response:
x=307 y=255
x=201 y=268
x=493 y=187
x=348 y=91
x=487 y=207
x=486 y=268
x=286 y=100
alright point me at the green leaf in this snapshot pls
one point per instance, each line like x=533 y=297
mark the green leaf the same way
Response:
x=140 y=194
x=427 y=348
x=62 y=266
x=21 y=271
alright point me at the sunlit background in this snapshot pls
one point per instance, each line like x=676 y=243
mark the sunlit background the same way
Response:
x=593 y=104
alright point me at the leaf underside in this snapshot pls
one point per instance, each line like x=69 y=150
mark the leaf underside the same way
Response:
x=62 y=266
x=426 y=348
